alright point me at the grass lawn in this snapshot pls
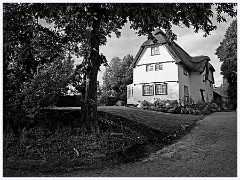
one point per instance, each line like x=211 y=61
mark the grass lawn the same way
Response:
x=52 y=149
x=165 y=122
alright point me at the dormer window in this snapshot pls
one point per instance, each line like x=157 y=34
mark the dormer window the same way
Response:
x=149 y=67
x=155 y=50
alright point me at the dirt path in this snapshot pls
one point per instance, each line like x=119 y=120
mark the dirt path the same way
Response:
x=210 y=150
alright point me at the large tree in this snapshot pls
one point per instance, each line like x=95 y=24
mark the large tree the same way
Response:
x=85 y=27
x=227 y=53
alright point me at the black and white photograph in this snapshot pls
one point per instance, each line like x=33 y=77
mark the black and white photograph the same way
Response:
x=119 y=89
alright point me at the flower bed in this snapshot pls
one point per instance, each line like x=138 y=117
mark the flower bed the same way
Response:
x=172 y=106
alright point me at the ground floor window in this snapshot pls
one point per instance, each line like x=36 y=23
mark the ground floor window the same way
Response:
x=161 y=89
x=147 y=90
x=186 y=92
x=129 y=92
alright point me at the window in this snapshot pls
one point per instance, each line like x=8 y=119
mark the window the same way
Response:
x=149 y=67
x=210 y=84
x=186 y=93
x=155 y=50
x=158 y=67
x=147 y=90
x=204 y=78
x=161 y=88
x=185 y=72
x=129 y=92
x=132 y=91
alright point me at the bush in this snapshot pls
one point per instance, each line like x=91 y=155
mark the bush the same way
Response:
x=172 y=106
x=159 y=103
x=69 y=101
x=42 y=90
x=121 y=103
x=145 y=104
x=107 y=100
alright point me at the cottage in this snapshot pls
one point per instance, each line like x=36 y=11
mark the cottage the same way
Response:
x=163 y=70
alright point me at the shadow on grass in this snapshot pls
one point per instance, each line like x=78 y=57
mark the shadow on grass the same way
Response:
x=135 y=142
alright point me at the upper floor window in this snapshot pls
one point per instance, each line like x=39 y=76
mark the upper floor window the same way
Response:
x=155 y=50
x=158 y=67
x=147 y=90
x=149 y=67
x=185 y=72
x=161 y=89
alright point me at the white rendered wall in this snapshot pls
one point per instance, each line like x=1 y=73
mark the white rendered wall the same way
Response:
x=197 y=83
x=184 y=80
x=172 y=93
x=169 y=72
x=147 y=58
x=196 y=80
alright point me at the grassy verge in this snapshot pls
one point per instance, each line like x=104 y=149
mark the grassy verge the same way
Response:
x=59 y=147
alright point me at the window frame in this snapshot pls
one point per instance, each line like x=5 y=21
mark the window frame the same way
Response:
x=129 y=93
x=161 y=85
x=148 y=65
x=160 y=65
x=185 y=91
x=149 y=86
x=155 y=50
x=204 y=78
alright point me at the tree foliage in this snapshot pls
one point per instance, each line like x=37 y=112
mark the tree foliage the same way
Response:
x=29 y=50
x=227 y=53
x=117 y=76
x=47 y=85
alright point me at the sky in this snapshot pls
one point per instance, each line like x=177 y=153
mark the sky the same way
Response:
x=193 y=43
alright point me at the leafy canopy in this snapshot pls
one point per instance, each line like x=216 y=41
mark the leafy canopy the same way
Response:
x=75 y=22
x=227 y=53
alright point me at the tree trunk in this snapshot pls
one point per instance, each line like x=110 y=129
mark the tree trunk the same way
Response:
x=89 y=111
x=89 y=119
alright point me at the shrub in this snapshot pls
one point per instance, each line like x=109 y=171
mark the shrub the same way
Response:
x=145 y=104
x=172 y=106
x=42 y=90
x=46 y=86
x=120 y=103
x=158 y=103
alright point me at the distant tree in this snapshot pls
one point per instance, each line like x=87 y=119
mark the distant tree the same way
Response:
x=227 y=53
x=223 y=88
x=117 y=76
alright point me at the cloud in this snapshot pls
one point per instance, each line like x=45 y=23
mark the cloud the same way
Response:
x=128 y=43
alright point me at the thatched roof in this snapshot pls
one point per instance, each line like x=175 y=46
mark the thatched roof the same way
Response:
x=196 y=64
